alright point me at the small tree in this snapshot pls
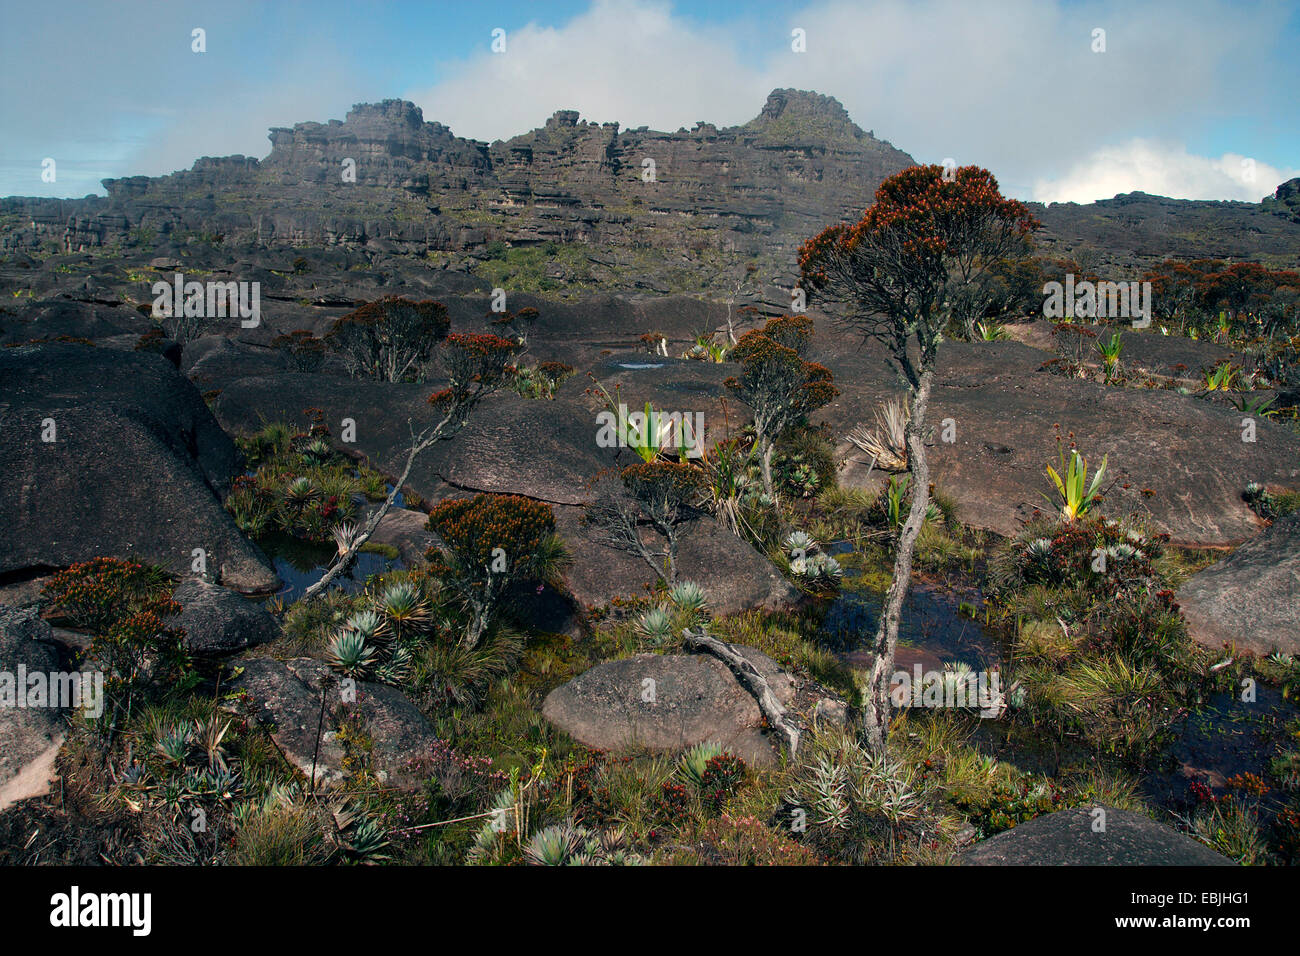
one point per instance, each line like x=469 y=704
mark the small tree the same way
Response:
x=515 y=325
x=492 y=540
x=778 y=384
x=914 y=262
x=664 y=494
x=476 y=365
x=305 y=350
x=390 y=339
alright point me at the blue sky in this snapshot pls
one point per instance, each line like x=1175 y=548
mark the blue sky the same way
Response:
x=1196 y=99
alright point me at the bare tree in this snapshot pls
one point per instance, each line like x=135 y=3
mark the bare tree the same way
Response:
x=662 y=494
x=476 y=365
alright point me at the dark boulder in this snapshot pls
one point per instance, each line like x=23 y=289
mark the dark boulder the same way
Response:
x=219 y=621
x=289 y=696
x=1068 y=838
x=138 y=467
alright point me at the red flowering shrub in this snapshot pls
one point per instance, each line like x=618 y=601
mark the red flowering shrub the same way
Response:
x=493 y=539
x=390 y=339
x=777 y=383
x=97 y=593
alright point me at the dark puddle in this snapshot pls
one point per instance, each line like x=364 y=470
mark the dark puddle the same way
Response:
x=933 y=631
x=301 y=564
x=1225 y=738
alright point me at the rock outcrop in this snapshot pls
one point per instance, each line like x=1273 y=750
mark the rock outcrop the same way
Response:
x=668 y=703
x=219 y=621
x=303 y=701
x=30 y=736
x=1250 y=599
x=111 y=453
x=385 y=179
x=1068 y=838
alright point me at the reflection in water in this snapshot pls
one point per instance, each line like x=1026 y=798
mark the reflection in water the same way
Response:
x=301 y=564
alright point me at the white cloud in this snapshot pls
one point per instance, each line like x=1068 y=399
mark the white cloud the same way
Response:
x=1162 y=169
x=632 y=62
x=1013 y=86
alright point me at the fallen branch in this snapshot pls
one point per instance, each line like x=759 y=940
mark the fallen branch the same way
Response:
x=750 y=679
x=418 y=444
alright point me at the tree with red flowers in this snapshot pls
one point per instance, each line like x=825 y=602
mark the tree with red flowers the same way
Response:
x=390 y=339
x=492 y=540
x=777 y=383
x=476 y=365
x=924 y=254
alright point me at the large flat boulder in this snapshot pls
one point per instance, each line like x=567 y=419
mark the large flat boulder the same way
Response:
x=1186 y=451
x=667 y=703
x=30 y=736
x=137 y=469
x=289 y=694
x=1068 y=838
x=1250 y=599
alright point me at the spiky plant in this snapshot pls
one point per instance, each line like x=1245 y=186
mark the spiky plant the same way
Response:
x=209 y=735
x=317 y=451
x=361 y=837
x=689 y=598
x=349 y=654
x=405 y=608
x=1071 y=482
x=886 y=441
x=554 y=845
x=371 y=625
x=656 y=626
x=695 y=762
x=799 y=544
x=173 y=745
x=300 y=492
x=344 y=535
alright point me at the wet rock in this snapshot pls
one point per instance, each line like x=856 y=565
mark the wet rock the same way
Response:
x=1250 y=599
x=667 y=703
x=219 y=621
x=1067 y=838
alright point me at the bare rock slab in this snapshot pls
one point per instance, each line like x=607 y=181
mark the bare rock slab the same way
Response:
x=289 y=697
x=1067 y=838
x=1250 y=599
x=667 y=703
x=30 y=737
x=110 y=453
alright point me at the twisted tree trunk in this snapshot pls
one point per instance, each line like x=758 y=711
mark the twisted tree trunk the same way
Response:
x=876 y=708
x=749 y=677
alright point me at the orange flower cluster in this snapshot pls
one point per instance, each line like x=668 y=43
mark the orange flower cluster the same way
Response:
x=98 y=593
x=473 y=528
